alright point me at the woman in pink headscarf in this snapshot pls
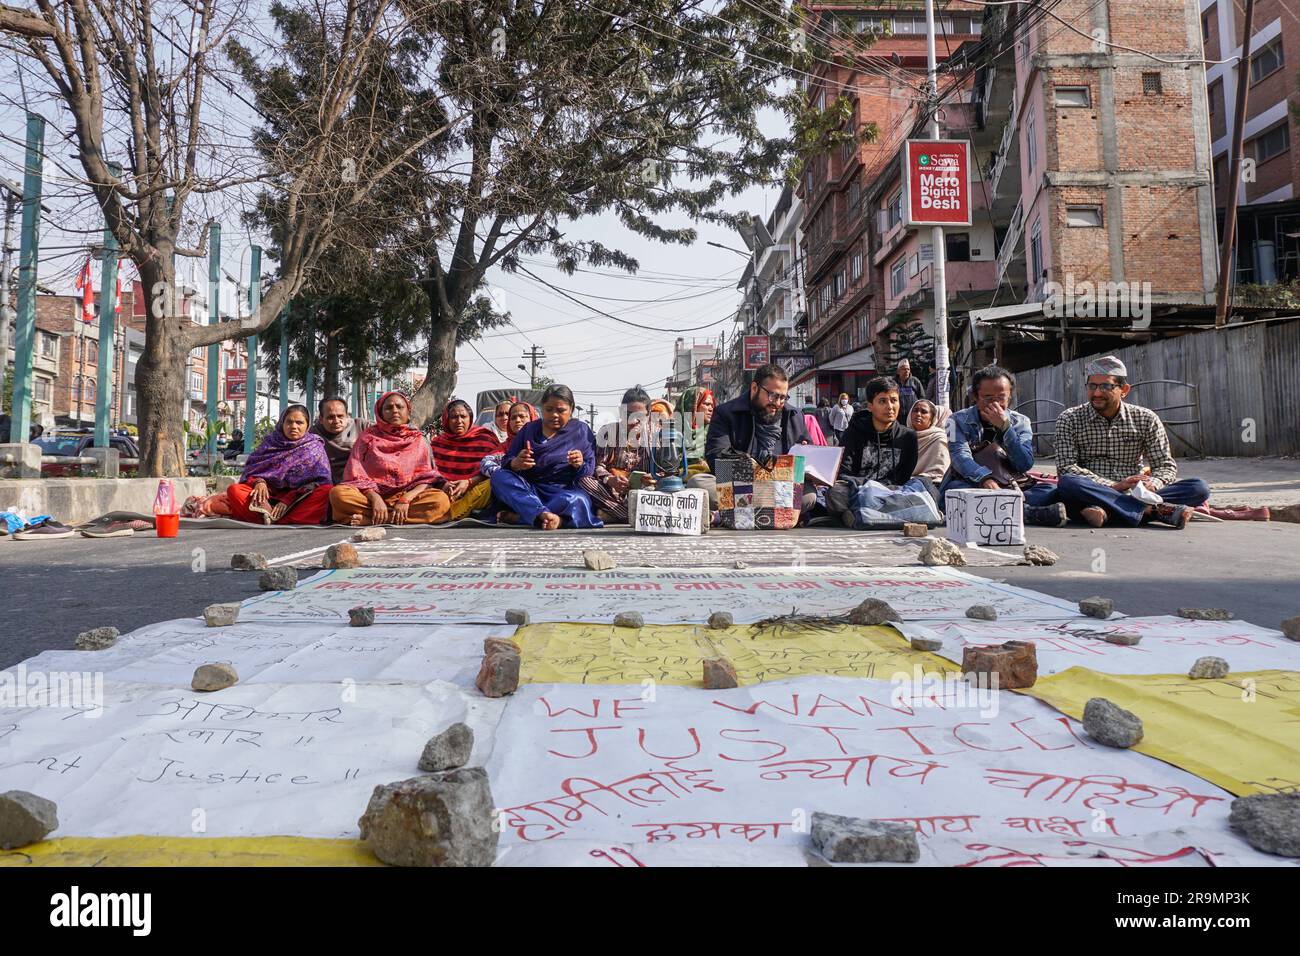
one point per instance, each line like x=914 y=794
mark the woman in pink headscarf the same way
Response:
x=389 y=476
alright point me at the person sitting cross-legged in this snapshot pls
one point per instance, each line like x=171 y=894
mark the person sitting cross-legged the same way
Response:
x=1106 y=446
x=877 y=447
x=286 y=479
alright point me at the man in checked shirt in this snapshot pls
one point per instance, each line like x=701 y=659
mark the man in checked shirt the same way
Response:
x=1106 y=446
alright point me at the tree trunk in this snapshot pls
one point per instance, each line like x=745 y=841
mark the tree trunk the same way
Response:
x=331 y=364
x=440 y=380
x=160 y=375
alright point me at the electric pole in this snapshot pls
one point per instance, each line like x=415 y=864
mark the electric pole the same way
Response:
x=936 y=232
x=591 y=414
x=535 y=355
x=12 y=199
x=1226 y=259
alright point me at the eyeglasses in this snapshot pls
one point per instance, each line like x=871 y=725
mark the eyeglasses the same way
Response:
x=779 y=397
x=1101 y=386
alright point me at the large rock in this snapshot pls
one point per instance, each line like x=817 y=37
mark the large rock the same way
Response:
x=449 y=750
x=941 y=551
x=1098 y=607
x=1270 y=822
x=1111 y=724
x=1037 y=555
x=278 y=579
x=1014 y=663
x=370 y=534
x=1291 y=628
x=208 y=677
x=248 y=561
x=1205 y=613
x=719 y=674
x=873 y=611
x=444 y=819
x=1208 y=668
x=597 y=560
x=854 y=840
x=25 y=818
x=96 y=639
x=342 y=555
x=982 y=612
x=221 y=615
x=498 y=675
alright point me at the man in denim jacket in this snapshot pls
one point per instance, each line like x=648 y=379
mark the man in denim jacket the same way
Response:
x=991 y=419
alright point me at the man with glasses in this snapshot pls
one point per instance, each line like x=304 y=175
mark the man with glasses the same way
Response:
x=1107 y=447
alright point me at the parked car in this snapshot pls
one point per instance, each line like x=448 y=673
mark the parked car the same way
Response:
x=74 y=444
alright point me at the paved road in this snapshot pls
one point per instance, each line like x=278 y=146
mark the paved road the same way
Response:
x=54 y=589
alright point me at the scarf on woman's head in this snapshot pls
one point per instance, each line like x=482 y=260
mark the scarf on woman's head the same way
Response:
x=697 y=431
x=283 y=463
x=932 y=456
x=458 y=457
x=390 y=458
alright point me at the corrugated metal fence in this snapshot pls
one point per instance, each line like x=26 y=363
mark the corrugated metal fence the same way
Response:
x=1234 y=391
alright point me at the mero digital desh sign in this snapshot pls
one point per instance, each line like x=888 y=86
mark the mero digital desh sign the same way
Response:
x=936 y=182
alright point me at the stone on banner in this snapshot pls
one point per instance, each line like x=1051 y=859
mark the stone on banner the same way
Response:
x=517 y=617
x=939 y=551
x=221 y=615
x=982 y=612
x=1208 y=668
x=871 y=612
x=1111 y=724
x=342 y=555
x=209 y=677
x=1291 y=629
x=498 y=675
x=96 y=639
x=927 y=643
x=720 y=619
x=984 y=516
x=1126 y=638
x=361 y=616
x=1014 y=663
x=278 y=579
x=449 y=750
x=25 y=818
x=854 y=840
x=1270 y=822
x=1098 y=607
x=444 y=819
x=248 y=561
x=629 y=619
x=719 y=674
x=597 y=560
x=1205 y=613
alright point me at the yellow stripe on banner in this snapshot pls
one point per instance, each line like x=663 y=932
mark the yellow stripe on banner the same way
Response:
x=1241 y=732
x=674 y=653
x=191 y=851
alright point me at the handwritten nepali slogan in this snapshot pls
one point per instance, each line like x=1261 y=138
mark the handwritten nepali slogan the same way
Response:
x=1241 y=732
x=1168 y=645
x=981 y=777
x=443 y=595
x=675 y=653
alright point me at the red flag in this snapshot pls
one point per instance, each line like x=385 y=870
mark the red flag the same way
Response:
x=117 y=292
x=85 y=284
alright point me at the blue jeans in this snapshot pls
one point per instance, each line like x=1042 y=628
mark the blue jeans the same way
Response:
x=1077 y=493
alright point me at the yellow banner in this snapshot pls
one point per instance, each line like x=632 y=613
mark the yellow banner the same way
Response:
x=1241 y=732
x=191 y=851
x=675 y=653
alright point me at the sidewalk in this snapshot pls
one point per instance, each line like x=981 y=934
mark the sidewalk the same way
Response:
x=1249 y=482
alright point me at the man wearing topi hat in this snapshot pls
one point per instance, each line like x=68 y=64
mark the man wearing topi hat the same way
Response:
x=1105 y=447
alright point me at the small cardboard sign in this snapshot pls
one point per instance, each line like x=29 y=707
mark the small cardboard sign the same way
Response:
x=658 y=512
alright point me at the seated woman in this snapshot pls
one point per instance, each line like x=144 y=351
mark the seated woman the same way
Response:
x=518 y=415
x=499 y=425
x=458 y=453
x=697 y=407
x=538 y=480
x=389 y=476
x=621 y=449
x=932 y=458
x=287 y=477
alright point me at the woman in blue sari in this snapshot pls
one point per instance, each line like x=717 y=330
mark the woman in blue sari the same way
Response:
x=538 y=478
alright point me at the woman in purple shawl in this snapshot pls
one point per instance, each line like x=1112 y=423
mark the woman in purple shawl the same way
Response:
x=538 y=478
x=287 y=478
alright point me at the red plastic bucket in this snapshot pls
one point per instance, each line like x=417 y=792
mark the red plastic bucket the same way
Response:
x=167 y=525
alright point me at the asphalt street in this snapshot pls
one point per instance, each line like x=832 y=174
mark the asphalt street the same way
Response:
x=55 y=589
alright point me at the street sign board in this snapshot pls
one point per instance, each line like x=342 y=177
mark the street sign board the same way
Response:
x=757 y=351
x=936 y=182
x=236 y=384
x=794 y=363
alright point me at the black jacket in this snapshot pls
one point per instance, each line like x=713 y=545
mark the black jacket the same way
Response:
x=732 y=428
x=888 y=457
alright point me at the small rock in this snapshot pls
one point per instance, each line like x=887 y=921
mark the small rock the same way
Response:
x=214 y=677
x=96 y=639
x=1110 y=724
x=629 y=619
x=854 y=840
x=1205 y=613
x=1208 y=668
x=939 y=551
x=278 y=579
x=720 y=619
x=1291 y=628
x=370 y=534
x=342 y=555
x=517 y=617
x=248 y=561
x=25 y=818
x=719 y=674
x=739 y=565
x=1127 y=638
x=914 y=529
x=361 y=616
x=1039 y=556
x=449 y=750
x=499 y=673
x=982 y=612
x=494 y=644
x=220 y=615
x=1270 y=822
x=445 y=819
x=873 y=611
x=1012 y=664
x=596 y=560
x=1098 y=607
x=926 y=643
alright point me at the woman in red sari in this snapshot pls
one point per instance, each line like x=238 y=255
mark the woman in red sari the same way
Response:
x=458 y=453
x=286 y=479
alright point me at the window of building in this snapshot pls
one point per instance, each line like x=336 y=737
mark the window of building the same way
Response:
x=87 y=389
x=855 y=196
x=91 y=351
x=1215 y=96
x=1036 y=252
x=1083 y=216
x=1206 y=19
x=1073 y=96
x=49 y=346
x=897 y=281
x=1152 y=85
x=1267 y=61
x=1273 y=143
x=196 y=383
x=44 y=388
x=846 y=341
x=914 y=265
x=856 y=266
x=895 y=209
x=864 y=327
x=956 y=246
x=1031 y=141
